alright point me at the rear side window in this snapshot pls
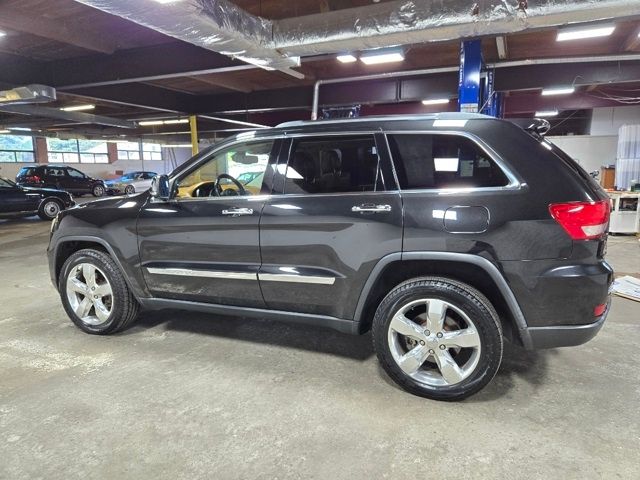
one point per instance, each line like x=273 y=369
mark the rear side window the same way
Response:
x=443 y=161
x=333 y=164
x=55 y=172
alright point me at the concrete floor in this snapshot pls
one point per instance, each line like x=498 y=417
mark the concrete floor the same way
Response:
x=184 y=396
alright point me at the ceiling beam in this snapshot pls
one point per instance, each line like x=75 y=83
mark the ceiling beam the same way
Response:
x=220 y=82
x=73 y=117
x=71 y=33
x=529 y=77
x=142 y=96
x=525 y=104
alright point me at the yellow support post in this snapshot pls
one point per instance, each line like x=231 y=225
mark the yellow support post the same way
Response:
x=193 y=127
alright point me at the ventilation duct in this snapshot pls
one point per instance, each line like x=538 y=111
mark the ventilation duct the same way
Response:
x=406 y=22
x=216 y=25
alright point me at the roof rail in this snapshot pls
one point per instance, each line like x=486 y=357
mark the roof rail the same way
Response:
x=388 y=118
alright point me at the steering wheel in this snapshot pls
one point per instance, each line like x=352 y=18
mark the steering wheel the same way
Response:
x=218 y=191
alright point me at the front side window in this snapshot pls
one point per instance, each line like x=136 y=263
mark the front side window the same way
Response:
x=333 y=164
x=433 y=161
x=224 y=174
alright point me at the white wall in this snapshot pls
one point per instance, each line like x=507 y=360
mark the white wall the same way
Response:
x=591 y=152
x=607 y=121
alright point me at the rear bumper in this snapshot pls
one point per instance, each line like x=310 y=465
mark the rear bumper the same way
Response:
x=565 y=335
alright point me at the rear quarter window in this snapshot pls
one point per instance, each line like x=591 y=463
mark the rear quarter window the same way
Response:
x=434 y=161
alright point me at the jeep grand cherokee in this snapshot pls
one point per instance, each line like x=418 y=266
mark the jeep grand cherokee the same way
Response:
x=445 y=235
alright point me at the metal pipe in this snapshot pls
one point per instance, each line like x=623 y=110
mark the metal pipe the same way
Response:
x=434 y=71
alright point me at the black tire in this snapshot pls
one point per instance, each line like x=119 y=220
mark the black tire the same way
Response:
x=125 y=308
x=49 y=208
x=98 y=190
x=468 y=300
x=129 y=189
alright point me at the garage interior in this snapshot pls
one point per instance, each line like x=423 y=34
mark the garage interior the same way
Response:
x=113 y=86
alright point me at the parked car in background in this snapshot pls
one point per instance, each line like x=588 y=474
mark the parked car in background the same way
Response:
x=130 y=183
x=60 y=177
x=18 y=201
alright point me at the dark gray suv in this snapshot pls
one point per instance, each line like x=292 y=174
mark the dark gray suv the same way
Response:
x=445 y=235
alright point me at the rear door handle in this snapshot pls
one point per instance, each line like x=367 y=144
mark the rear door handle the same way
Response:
x=370 y=208
x=237 y=212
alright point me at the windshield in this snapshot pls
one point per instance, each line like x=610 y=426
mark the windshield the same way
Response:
x=129 y=176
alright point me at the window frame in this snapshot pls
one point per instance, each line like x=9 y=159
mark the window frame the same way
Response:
x=16 y=152
x=385 y=167
x=514 y=183
x=79 y=153
x=278 y=142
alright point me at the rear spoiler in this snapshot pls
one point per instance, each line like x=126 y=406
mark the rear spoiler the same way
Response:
x=538 y=127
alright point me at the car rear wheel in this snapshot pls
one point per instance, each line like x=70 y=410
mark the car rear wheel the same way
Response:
x=130 y=190
x=50 y=208
x=98 y=191
x=438 y=338
x=95 y=294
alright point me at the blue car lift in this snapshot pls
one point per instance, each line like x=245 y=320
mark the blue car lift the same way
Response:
x=476 y=92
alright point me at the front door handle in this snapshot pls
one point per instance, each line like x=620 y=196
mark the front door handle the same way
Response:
x=237 y=212
x=370 y=208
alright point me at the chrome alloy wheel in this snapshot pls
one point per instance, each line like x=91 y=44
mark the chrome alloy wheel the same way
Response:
x=51 y=209
x=434 y=342
x=89 y=294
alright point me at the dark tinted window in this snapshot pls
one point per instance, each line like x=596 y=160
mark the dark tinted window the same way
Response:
x=443 y=161
x=333 y=165
x=55 y=172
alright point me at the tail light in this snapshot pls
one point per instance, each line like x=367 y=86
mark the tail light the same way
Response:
x=582 y=220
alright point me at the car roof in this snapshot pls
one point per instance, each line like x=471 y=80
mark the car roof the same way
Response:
x=387 y=118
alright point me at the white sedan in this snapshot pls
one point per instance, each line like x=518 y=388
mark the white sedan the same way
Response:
x=130 y=183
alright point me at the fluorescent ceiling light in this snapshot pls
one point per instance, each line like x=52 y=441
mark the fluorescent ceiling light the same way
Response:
x=2 y=34
x=558 y=91
x=151 y=123
x=585 y=32
x=347 y=58
x=435 y=101
x=20 y=129
x=167 y=1
x=546 y=113
x=5 y=131
x=382 y=56
x=78 y=108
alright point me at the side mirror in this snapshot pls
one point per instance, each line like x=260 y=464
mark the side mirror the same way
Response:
x=160 y=187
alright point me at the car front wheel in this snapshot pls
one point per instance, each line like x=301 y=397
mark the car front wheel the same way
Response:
x=130 y=190
x=98 y=191
x=95 y=294
x=438 y=338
